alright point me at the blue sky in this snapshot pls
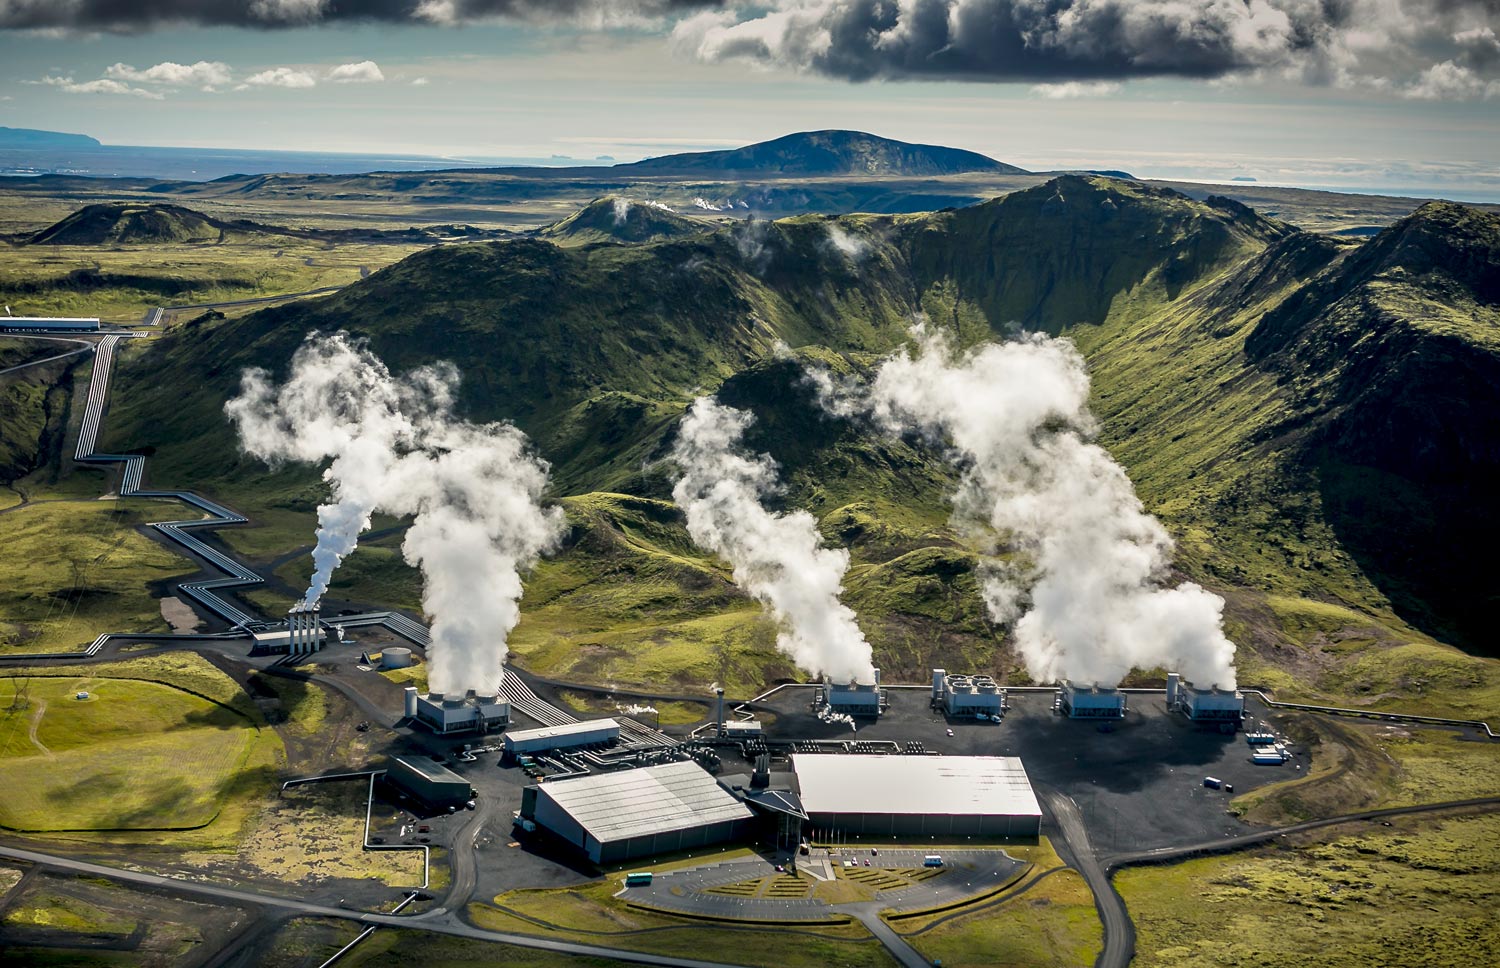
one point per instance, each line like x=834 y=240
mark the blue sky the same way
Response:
x=504 y=88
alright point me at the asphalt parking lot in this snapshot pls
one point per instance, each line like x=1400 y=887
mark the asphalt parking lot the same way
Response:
x=1138 y=786
x=965 y=873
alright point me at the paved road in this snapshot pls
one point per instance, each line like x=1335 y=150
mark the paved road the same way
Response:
x=252 y=302
x=869 y=915
x=1160 y=854
x=465 y=855
x=87 y=345
x=306 y=909
x=1119 y=930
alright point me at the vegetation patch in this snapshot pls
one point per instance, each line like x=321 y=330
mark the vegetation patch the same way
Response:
x=1053 y=923
x=74 y=569
x=162 y=743
x=1420 y=892
x=66 y=921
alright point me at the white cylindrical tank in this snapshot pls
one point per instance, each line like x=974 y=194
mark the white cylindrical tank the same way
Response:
x=1174 y=689
x=409 y=695
x=395 y=658
x=937 y=683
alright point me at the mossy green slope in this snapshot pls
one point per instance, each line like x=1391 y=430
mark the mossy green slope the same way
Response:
x=617 y=218
x=596 y=350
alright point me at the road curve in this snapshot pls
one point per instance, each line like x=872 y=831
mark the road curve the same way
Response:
x=306 y=909
x=1119 y=931
x=88 y=347
x=1160 y=854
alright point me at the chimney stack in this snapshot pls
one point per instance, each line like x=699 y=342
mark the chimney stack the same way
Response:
x=719 y=715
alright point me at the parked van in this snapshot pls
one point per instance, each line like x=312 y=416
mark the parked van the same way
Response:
x=933 y=860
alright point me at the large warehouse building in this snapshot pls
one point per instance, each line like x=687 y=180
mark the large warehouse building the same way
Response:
x=613 y=817
x=430 y=782
x=940 y=796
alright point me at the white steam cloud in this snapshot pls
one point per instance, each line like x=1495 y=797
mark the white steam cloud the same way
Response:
x=1086 y=594
x=474 y=490
x=778 y=558
x=850 y=246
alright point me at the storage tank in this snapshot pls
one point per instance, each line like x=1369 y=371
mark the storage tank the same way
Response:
x=938 y=675
x=409 y=704
x=395 y=658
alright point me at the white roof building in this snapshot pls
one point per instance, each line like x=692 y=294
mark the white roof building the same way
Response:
x=918 y=795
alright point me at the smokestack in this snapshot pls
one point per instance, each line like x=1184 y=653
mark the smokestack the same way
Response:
x=409 y=700
x=876 y=674
x=938 y=675
x=719 y=716
x=1174 y=689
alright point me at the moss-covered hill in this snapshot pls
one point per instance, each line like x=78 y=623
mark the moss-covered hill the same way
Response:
x=616 y=218
x=131 y=224
x=1244 y=372
x=833 y=152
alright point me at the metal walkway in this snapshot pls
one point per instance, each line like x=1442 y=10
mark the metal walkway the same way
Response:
x=206 y=593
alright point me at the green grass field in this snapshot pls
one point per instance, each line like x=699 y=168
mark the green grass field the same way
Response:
x=1420 y=893
x=591 y=913
x=163 y=743
x=120 y=283
x=133 y=756
x=74 y=569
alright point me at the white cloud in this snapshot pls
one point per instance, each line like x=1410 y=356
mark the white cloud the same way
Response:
x=419 y=82
x=1451 y=82
x=102 y=86
x=364 y=72
x=288 y=11
x=1073 y=89
x=208 y=75
x=280 y=77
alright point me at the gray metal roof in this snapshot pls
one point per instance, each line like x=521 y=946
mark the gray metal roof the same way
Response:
x=566 y=729
x=431 y=769
x=932 y=785
x=651 y=800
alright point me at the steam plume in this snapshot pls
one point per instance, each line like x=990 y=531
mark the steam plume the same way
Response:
x=778 y=558
x=339 y=402
x=1086 y=596
x=474 y=490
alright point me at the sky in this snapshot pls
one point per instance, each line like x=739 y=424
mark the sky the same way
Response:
x=1384 y=94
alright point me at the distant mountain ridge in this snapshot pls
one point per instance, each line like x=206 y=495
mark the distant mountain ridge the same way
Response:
x=36 y=138
x=833 y=152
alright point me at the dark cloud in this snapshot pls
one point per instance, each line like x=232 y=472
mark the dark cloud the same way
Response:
x=1332 y=41
x=136 y=15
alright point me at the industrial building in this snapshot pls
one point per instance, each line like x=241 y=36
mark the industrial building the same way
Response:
x=613 y=817
x=456 y=713
x=303 y=634
x=591 y=732
x=1213 y=706
x=738 y=729
x=734 y=729
x=937 y=796
x=967 y=695
x=87 y=324
x=1090 y=702
x=853 y=698
x=429 y=781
